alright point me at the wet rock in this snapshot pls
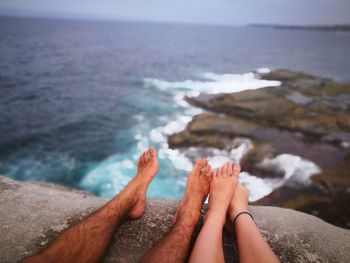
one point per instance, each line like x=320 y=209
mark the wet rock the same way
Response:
x=328 y=198
x=331 y=208
x=307 y=115
x=265 y=108
x=220 y=131
x=335 y=178
x=344 y=122
x=231 y=126
x=212 y=130
x=32 y=215
x=286 y=75
x=303 y=103
x=299 y=98
x=286 y=193
x=252 y=160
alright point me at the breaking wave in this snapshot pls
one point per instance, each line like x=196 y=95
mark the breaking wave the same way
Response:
x=152 y=129
x=212 y=83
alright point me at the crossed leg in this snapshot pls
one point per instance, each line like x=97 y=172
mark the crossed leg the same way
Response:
x=88 y=240
x=175 y=245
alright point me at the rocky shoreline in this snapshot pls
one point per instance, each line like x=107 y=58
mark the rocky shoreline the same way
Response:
x=327 y=28
x=306 y=115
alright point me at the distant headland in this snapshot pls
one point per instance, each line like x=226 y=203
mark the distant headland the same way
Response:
x=341 y=28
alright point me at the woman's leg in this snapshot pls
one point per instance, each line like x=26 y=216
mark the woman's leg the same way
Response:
x=208 y=246
x=252 y=246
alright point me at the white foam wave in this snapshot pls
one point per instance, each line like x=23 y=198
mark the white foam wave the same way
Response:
x=297 y=172
x=179 y=99
x=345 y=144
x=112 y=174
x=296 y=169
x=258 y=187
x=178 y=125
x=179 y=160
x=263 y=70
x=215 y=83
x=240 y=145
x=193 y=111
x=159 y=134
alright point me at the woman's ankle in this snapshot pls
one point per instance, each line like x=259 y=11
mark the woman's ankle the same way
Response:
x=236 y=210
x=216 y=215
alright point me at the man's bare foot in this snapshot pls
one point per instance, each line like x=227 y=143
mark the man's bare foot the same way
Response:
x=197 y=189
x=147 y=168
x=238 y=203
x=222 y=189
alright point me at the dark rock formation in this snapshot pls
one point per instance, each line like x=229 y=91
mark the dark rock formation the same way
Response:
x=33 y=214
x=304 y=103
x=329 y=28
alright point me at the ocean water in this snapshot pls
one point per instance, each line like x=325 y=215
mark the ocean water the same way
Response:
x=80 y=100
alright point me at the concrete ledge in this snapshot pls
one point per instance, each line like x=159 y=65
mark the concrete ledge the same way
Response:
x=32 y=214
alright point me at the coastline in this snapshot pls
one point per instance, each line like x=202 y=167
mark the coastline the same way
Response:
x=329 y=28
x=304 y=122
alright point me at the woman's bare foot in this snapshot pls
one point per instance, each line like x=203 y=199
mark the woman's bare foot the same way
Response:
x=238 y=203
x=222 y=189
x=197 y=189
x=147 y=168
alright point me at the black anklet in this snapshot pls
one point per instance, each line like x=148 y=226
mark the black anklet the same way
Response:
x=241 y=213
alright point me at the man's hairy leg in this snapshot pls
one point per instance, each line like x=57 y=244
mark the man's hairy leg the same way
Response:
x=88 y=240
x=175 y=245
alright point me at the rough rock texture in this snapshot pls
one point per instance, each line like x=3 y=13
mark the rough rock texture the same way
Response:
x=312 y=105
x=307 y=116
x=32 y=214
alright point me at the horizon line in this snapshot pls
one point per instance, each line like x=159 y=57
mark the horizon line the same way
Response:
x=108 y=19
x=60 y=16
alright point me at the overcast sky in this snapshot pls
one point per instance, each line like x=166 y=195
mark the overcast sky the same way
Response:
x=190 y=11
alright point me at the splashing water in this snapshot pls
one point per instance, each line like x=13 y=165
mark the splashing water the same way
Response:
x=163 y=113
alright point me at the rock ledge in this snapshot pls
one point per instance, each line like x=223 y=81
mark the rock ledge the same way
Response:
x=32 y=214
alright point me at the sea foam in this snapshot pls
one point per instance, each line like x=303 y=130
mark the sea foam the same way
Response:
x=111 y=175
x=297 y=171
x=212 y=83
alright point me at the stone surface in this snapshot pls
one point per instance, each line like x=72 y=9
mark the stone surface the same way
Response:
x=309 y=104
x=33 y=214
